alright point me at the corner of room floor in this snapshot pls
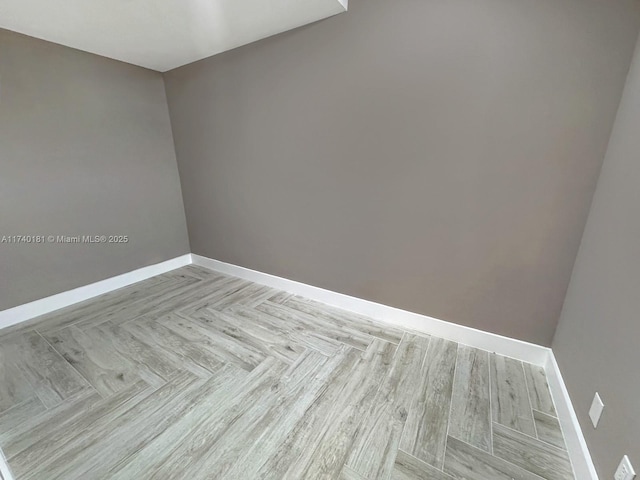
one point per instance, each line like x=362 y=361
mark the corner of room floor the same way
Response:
x=554 y=414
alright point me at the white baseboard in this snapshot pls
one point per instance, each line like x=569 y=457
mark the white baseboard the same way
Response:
x=510 y=347
x=583 y=466
x=34 y=309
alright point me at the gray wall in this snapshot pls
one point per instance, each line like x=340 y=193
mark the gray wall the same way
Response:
x=597 y=339
x=433 y=155
x=85 y=148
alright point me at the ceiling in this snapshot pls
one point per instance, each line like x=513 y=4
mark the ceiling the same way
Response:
x=160 y=34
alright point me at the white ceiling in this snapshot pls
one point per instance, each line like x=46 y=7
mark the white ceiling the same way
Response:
x=160 y=34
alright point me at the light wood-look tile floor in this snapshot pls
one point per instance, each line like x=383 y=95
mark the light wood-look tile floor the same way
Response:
x=196 y=375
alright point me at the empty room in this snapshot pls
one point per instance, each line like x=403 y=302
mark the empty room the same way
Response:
x=319 y=239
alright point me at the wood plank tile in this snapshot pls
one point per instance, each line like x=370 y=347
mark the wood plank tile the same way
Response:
x=509 y=395
x=425 y=432
x=308 y=431
x=180 y=451
x=343 y=318
x=142 y=424
x=548 y=429
x=177 y=297
x=249 y=296
x=226 y=348
x=349 y=474
x=27 y=433
x=14 y=387
x=280 y=297
x=107 y=442
x=254 y=335
x=464 y=462
x=175 y=348
x=539 y=391
x=150 y=365
x=471 y=405
x=20 y=413
x=73 y=435
x=530 y=454
x=100 y=304
x=318 y=445
x=163 y=299
x=180 y=447
x=294 y=333
x=374 y=448
x=51 y=377
x=269 y=425
x=408 y=467
x=303 y=383
x=208 y=298
x=91 y=354
x=195 y=271
x=112 y=305
x=330 y=454
x=343 y=334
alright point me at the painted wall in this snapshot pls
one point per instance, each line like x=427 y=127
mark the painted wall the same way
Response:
x=597 y=342
x=437 y=156
x=85 y=149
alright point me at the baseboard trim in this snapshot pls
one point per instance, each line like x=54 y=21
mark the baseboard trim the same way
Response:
x=25 y=312
x=583 y=466
x=510 y=347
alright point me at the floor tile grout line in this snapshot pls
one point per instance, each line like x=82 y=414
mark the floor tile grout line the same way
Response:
x=419 y=460
x=500 y=458
x=453 y=385
x=557 y=417
x=402 y=339
x=56 y=328
x=375 y=395
x=561 y=432
x=545 y=413
x=491 y=352
x=526 y=384
x=490 y=403
x=511 y=429
x=404 y=424
x=533 y=438
x=415 y=399
x=553 y=400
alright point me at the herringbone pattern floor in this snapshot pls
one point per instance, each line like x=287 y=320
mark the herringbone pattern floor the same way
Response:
x=196 y=375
